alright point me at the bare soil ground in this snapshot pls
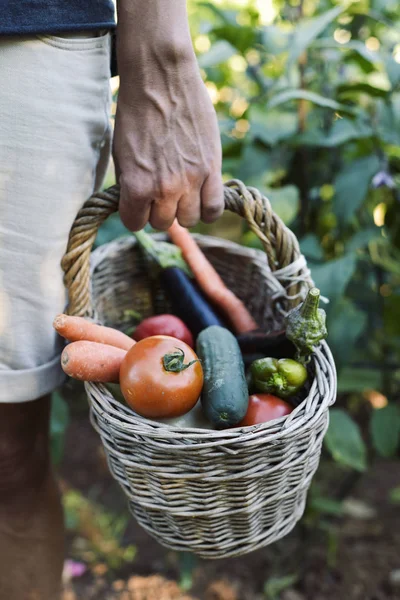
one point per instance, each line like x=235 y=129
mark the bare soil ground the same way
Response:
x=351 y=557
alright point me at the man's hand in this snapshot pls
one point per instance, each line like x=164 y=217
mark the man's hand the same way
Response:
x=167 y=147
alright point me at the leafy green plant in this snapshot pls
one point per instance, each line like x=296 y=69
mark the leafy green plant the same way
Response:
x=309 y=109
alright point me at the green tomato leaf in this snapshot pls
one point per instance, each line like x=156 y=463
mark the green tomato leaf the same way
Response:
x=226 y=16
x=272 y=126
x=275 y=585
x=288 y=95
x=392 y=70
x=274 y=39
x=362 y=238
x=326 y=506
x=254 y=162
x=351 y=186
x=351 y=91
x=342 y=131
x=343 y=440
x=308 y=30
x=285 y=202
x=345 y=323
x=358 y=380
x=219 y=52
x=333 y=276
x=394 y=495
x=388 y=119
x=385 y=430
x=239 y=36
x=311 y=247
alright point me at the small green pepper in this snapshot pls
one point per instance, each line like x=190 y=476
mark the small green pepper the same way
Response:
x=305 y=325
x=283 y=377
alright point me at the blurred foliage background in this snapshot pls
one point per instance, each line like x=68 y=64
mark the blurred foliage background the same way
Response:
x=307 y=94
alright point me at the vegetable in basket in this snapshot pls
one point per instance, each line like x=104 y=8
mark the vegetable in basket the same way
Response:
x=163 y=325
x=258 y=344
x=161 y=377
x=210 y=282
x=283 y=377
x=305 y=325
x=263 y=408
x=186 y=298
x=225 y=394
x=92 y=361
x=75 y=329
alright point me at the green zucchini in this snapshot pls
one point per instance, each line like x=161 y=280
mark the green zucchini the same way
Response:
x=225 y=394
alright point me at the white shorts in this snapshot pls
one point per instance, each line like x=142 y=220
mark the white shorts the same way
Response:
x=54 y=151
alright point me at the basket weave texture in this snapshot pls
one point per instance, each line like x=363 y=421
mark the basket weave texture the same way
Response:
x=214 y=493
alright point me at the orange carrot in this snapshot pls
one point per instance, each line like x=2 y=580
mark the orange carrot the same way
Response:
x=91 y=361
x=210 y=282
x=75 y=329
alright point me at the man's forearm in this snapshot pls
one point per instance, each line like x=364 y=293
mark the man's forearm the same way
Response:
x=148 y=25
x=167 y=148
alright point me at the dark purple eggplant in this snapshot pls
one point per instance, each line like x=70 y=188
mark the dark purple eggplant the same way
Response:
x=187 y=300
x=258 y=344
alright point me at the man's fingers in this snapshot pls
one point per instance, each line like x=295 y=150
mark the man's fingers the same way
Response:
x=163 y=212
x=212 y=198
x=189 y=209
x=134 y=209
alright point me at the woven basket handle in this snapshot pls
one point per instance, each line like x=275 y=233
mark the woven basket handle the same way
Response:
x=280 y=244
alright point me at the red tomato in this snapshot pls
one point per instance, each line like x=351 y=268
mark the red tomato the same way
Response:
x=263 y=408
x=163 y=325
x=150 y=381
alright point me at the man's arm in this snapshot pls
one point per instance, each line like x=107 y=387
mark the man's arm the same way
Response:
x=166 y=145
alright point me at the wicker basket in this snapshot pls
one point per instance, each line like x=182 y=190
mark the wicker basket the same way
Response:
x=214 y=493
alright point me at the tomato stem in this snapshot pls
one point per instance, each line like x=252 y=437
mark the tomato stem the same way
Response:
x=173 y=363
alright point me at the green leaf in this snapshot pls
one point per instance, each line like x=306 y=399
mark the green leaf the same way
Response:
x=351 y=379
x=226 y=16
x=388 y=119
x=333 y=276
x=351 y=186
x=362 y=238
x=391 y=315
x=255 y=161
x=272 y=126
x=285 y=202
x=311 y=247
x=239 y=36
x=342 y=131
x=352 y=90
x=353 y=50
x=345 y=323
x=288 y=95
x=385 y=430
x=392 y=70
x=307 y=31
x=274 y=39
x=59 y=420
x=219 y=52
x=394 y=495
x=326 y=506
x=275 y=585
x=343 y=440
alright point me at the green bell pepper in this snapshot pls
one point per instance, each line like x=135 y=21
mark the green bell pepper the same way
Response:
x=283 y=377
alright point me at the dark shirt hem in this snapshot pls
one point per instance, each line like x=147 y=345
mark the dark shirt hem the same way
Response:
x=54 y=29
